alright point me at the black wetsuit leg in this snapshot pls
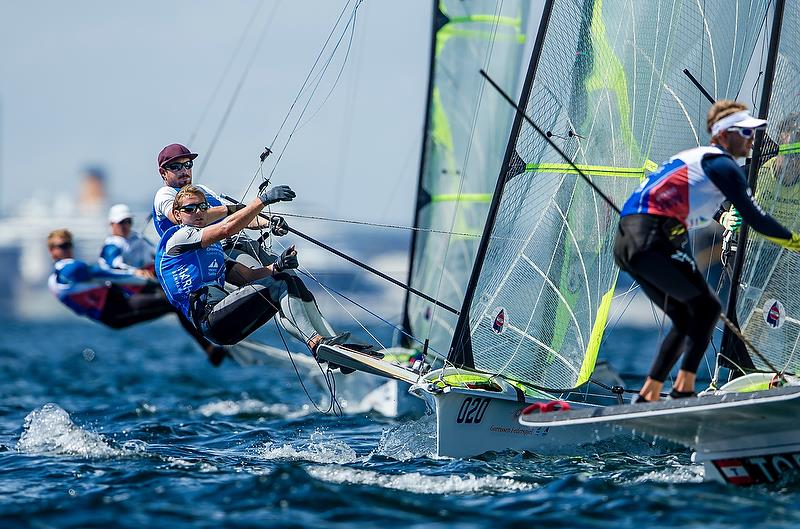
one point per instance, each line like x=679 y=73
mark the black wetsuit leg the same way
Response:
x=122 y=310
x=229 y=318
x=651 y=249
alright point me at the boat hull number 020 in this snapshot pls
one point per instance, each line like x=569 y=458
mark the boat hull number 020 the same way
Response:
x=472 y=410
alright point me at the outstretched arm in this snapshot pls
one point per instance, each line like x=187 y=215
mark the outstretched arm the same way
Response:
x=729 y=178
x=240 y=219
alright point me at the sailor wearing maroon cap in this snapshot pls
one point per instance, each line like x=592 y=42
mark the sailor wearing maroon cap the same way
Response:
x=175 y=167
x=191 y=266
x=175 y=163
x=652 y=244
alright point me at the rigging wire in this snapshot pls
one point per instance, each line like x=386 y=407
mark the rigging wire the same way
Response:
x=320 y=76
x=238 y=89
x=224 y=75
x=330 y=382
x=310 y=96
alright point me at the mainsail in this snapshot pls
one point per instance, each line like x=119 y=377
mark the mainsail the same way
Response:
x=768 y=305
x=609 y=88
x=465 y=133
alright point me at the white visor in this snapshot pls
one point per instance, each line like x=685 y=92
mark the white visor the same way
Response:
x=742 y=120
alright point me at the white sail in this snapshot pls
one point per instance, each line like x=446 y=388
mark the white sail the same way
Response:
x=769 y=303
x=465 y=134
x=610 y=89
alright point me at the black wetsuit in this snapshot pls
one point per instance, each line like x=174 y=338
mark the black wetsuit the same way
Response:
x=653 y=249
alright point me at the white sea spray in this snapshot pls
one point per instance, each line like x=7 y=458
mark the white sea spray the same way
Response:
x=419 y=483
x=50 y=430
x=318 y=449
x=252 y=407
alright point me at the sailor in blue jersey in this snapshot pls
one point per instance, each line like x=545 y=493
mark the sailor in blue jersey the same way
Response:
x=175 y=163
x=191 y=266
x=127 y=250
x=112 y=297
x=652 y=244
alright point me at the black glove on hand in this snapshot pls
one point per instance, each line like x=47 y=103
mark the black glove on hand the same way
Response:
x=288 y=259
x=279 y=226
x=276 y=194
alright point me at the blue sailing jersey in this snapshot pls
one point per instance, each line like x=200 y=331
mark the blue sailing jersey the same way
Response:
x=183 y=266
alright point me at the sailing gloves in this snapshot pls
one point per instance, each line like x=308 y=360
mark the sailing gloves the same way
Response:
x=731 y=220
x=288 y=259
x=279 y=226
x=276 y=194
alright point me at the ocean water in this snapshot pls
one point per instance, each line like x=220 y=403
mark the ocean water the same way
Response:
x=133 y=428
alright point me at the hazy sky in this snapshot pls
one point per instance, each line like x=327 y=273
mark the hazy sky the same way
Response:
x=110 y=83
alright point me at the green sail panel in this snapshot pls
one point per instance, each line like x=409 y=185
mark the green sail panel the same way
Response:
x=609 y=88
x=466 y=131
x=768 y=306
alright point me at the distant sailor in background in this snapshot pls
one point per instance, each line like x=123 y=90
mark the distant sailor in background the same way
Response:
x=191 y=266
x=175 y=163
x=652 y=243
x=117 y=298
x=126 y=249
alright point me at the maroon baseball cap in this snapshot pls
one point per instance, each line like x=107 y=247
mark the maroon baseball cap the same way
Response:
x=173 y=152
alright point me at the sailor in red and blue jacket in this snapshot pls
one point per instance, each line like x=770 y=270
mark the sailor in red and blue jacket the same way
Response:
x=116 y=298
x=652 y=244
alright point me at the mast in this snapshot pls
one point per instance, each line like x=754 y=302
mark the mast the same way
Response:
x=439 y=20
x=731 y=346
x=461 y=348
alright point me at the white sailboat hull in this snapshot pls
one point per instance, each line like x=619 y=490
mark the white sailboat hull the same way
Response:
x=470 y=422
x=741 y=438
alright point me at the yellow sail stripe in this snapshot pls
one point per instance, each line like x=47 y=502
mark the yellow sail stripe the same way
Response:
x=463 y=197
x=789 y=148
x=593 y=170
x=489 y=19
x=590 y=358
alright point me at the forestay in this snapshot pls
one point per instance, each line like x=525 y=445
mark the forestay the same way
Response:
x=769 y=303
x=609 y=87
x=465 y=134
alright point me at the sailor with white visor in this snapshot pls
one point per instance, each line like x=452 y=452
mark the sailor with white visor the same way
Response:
x=652 y=244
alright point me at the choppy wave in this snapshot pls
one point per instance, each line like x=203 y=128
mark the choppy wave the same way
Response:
x=419 y=483
x=318 y=449
x=252 y=407
x=50 y=430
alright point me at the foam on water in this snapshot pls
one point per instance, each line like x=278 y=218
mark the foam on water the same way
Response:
x=409 y=440
x=419 y=483
x=319 y=449
x=251 y=407
x=50 y=430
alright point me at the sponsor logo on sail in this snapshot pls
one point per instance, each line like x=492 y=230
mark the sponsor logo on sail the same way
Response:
x=500 y=320
x=774 y=313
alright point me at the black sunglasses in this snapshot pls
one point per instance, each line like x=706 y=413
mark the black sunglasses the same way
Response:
x=176 y=166
x=191 y=208
x=125 y=221
x=63 y=246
